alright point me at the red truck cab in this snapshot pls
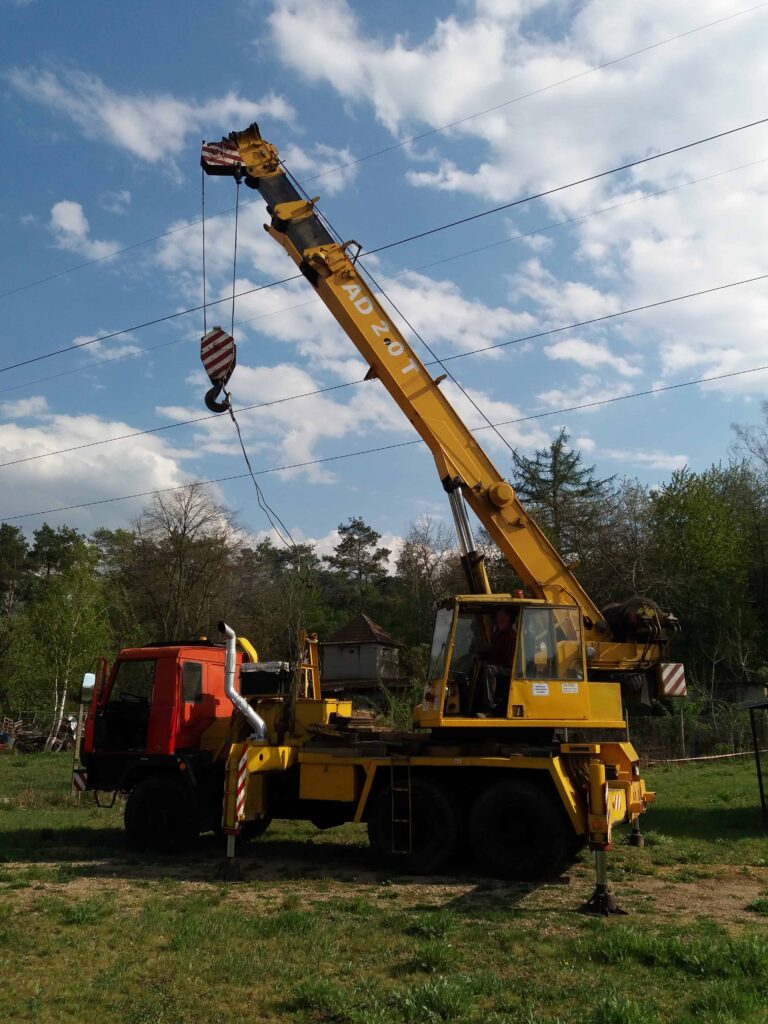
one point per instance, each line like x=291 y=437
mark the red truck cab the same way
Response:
x=155 y=704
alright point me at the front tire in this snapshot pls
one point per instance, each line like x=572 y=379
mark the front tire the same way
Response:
x=161 y=815
x=518 y=830
x=434 y=829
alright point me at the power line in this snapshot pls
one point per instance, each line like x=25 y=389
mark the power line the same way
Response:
x=393 y=147
x=439 y=360
x=422 y=266
x=139 y=327
x=562 y=188
x=403 y=241
x=387 y=447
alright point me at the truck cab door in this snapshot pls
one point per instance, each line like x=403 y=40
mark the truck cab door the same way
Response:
x=122 y=719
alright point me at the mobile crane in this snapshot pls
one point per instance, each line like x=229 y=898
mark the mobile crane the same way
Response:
x=523 y=784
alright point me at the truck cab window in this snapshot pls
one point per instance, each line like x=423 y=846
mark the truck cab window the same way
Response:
x=133 y=683
x=191 y=682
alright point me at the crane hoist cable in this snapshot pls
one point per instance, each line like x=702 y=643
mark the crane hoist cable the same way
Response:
x=218 y=353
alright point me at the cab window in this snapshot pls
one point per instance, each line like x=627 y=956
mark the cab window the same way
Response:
x=550 y=644
x=191 y=682
x=440 y=643
x=134 y=682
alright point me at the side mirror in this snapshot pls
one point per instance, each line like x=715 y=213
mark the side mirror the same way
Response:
x=86 y=691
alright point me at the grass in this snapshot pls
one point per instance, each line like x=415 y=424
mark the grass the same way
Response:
x=318 y=935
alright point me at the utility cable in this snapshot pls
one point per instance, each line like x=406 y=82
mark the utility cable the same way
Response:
x=401 y=273
x=386 y=447
x=561 y=188
x=401 y=144
x=411 y=238
x=139 y=327
x=440 y=361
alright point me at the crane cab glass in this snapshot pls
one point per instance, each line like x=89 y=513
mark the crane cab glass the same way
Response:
x=486 y=654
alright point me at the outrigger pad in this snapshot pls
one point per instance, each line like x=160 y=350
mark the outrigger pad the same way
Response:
x=602 y=903
x=229 y=870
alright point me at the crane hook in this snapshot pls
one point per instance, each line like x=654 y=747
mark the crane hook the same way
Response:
x=218 y=354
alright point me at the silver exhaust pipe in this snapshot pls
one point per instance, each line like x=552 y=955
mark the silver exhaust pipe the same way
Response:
x=256 y=722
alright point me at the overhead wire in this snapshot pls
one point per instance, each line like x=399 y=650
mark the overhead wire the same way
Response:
x=398 y=145
x=541 y=229
x=410 y=238
x=387 y=447
x=561 y=188
x=442 y=359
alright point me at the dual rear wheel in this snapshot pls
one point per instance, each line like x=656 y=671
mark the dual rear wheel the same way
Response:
x=515 y=828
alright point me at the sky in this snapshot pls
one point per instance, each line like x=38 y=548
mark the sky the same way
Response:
x=104 y=110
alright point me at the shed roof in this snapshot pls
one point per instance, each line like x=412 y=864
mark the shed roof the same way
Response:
x=362 y=630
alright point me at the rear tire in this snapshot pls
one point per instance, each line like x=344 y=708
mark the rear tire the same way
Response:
x=518 y=830
x=434 y=829
x=256 y=828
x=161 y=815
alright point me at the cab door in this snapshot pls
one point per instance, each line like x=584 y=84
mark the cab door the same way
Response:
x=122 y=720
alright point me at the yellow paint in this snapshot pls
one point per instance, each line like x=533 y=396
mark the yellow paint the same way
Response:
x=328 y=782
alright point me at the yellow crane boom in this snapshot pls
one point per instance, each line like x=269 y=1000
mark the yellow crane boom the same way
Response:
x=464 y=468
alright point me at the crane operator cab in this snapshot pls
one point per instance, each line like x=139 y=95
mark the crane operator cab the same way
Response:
x=497 y=659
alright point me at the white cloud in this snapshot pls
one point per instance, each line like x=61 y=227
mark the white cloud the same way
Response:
x=153 y=127
x=588 y=388
x=112 y=348
x=654 y=459
x=683 y=241
x=289 y=433
x=24 y=407
x=321 y=161
x=590 y=354
x=115 y=202
x=102 y=472
x=71 y=230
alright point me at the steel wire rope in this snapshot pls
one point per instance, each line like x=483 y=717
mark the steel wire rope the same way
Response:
x=388 y=447
x=395 y=146
x=413 y=238
x=443 y=359
x=401 y=273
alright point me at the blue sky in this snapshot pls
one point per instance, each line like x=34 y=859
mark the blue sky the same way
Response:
x=104 y=109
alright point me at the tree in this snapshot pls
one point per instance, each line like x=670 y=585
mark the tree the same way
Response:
x=702 y=555
x=55 y=639
x=753 y=440
x=171 y=572
x=426 y=569
x=361 y=565
x=13 y=565
x=56 y=550
x=562 y=493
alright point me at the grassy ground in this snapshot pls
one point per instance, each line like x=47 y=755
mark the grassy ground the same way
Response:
x=316 y=934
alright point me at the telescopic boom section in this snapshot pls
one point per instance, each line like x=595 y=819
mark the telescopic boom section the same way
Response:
x=462 y=464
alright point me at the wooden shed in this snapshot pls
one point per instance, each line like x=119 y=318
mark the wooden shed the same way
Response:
x=361 y=656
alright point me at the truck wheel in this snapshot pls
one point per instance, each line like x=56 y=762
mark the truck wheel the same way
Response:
x=256 y=828
x=518 y=830
x=434 y=829
x=160 y=815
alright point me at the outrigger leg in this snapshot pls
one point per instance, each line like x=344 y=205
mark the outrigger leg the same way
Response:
x=230 y=870
x=602 y=902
